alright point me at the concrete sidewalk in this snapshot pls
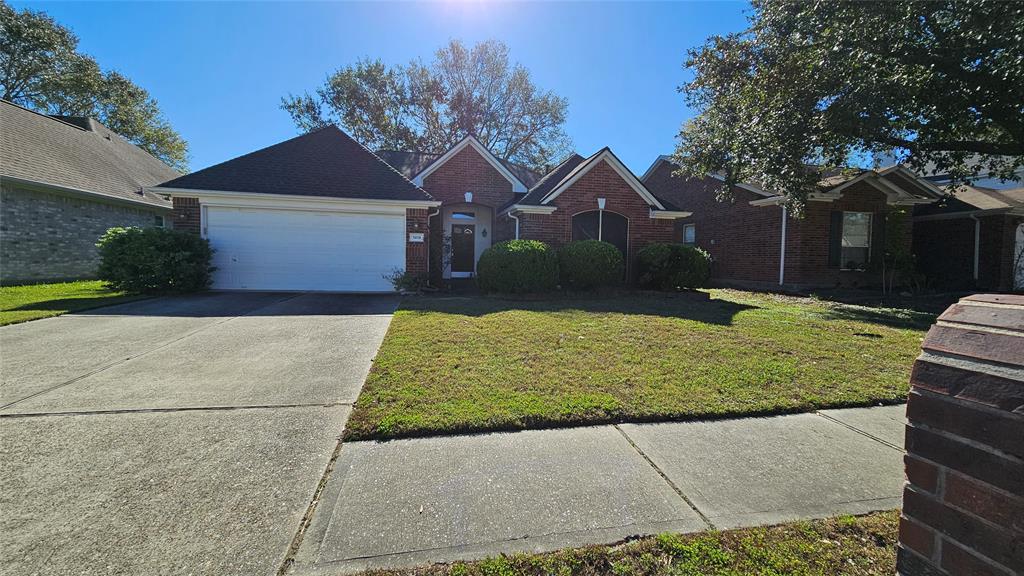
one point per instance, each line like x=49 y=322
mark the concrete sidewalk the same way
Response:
x=417 y=501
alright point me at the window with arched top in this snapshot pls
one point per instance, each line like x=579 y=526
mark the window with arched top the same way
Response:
x=602 y=225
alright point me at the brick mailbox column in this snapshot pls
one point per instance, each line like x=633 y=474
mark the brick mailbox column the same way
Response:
x=963 y=505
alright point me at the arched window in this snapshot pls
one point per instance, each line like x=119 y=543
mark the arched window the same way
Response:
x=601 y=225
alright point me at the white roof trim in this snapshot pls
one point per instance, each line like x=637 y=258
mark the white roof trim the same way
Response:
x=529 y=209
x=297 y=198
x=910 y=174
x=744 y=186
x=471 y=141
x=654 y=165
x=619 y=167
x=669 y=214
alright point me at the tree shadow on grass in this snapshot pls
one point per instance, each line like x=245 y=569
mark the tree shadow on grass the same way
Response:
x=73 y=304
x=891 y=317
x=683 y=306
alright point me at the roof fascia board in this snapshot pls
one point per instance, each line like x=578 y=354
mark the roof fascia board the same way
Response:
x=45 y=186
x=529 y=209
x=969 y=213
x=909 y=174
x=619 y=168
x=744 y=186
x=241 y=198
x=517 y=185
x=654 y=166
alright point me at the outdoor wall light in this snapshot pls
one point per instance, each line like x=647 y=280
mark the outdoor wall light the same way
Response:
x=469 y=197
x=600 y=203
x=484 y=232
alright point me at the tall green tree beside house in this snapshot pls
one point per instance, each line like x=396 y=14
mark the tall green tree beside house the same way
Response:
x=42 y=69
x=936 y=84
x=430 y=107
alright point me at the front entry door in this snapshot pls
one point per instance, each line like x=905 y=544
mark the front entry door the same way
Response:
x=463 y=248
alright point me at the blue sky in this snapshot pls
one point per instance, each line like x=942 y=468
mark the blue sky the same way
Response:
x=220 y=69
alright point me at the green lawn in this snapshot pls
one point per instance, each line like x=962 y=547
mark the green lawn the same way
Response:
x=847 y=545
x=24 y=303
x=473 y=364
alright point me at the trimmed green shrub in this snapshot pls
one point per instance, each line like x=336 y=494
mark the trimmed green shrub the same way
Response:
x=588 y=264
x=154 y=260
x=673 y=267
x=518 y=266
x=406 y=281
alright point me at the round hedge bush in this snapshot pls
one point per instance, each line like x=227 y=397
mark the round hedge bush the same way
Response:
x=154 y=260
x=518 y=266
x=589 y=264
x=673 y=267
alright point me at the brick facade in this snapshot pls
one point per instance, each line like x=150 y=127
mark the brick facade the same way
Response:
x=601 y=181
x=963 y=504
x=186 y=215
x=744 y=241
x=945 y=251
x=47 y=236
x=416 y=253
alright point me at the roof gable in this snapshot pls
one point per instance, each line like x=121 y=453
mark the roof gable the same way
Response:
x=471 y=142
x=603 y=155
x=325 y=163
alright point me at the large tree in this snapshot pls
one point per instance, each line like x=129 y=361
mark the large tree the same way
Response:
x=42 y=69
x=936 y=84
x=430 y=107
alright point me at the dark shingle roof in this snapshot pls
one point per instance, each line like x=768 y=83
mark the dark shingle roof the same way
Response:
x=412 y=163
x=43 y=149
x=325 y=162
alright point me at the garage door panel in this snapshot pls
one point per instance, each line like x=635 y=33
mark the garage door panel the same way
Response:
x=266 y=249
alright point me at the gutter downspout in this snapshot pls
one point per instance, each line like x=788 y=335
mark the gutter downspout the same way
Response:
x=516 y=218
x=977 y=244
x=782 y=250
x=429 y=216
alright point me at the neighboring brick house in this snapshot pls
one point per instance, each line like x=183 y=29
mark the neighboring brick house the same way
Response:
x=64 y=182
x=840 y=241
x=973 y=239
x=485 y=200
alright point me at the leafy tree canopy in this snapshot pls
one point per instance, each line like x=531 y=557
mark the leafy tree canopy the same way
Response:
x=936 y=84
x=42 y=69
x=431 y=107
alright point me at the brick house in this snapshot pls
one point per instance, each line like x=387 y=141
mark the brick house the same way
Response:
x=973 y=239
x=485 y=200
x=63 y=182
x=321 y=212
x=840 y=242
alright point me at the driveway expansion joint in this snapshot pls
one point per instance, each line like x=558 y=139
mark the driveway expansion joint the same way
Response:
x=665 y=477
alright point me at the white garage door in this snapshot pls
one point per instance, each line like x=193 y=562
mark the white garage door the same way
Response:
x=268 y=249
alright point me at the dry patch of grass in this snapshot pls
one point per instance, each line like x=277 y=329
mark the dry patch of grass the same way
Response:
x=473 y=364
x=24 y=303
x=847 y=545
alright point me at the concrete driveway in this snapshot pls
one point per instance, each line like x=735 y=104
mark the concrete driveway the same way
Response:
x=177 y=435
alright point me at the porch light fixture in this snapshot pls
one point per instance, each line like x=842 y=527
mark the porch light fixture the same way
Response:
x=469 y=197
x=600 y=203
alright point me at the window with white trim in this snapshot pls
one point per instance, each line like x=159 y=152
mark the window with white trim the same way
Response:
x=689 y=234
x=856 y=240
x=158 y=221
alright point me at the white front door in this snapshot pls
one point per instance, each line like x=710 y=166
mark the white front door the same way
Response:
x=274 y=249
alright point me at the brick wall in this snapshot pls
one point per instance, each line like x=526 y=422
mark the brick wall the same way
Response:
x=416 y=253
x=47 y=236
x=602 y=181
x=743 y=240
x=186 y=215
x=963 y=505
x=468 y=171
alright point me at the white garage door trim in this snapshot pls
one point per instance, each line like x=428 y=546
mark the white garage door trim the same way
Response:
x=291 y=248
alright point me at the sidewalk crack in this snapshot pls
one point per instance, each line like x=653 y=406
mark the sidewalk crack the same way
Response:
x=665 y=477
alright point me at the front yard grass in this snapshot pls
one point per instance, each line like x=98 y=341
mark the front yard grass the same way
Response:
x=847 y=545
x=452 y=365
x=24 y=303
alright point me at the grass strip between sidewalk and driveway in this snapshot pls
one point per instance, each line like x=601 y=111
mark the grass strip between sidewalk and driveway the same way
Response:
x=846 y=545
x=32 y=302
x=453 y=365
